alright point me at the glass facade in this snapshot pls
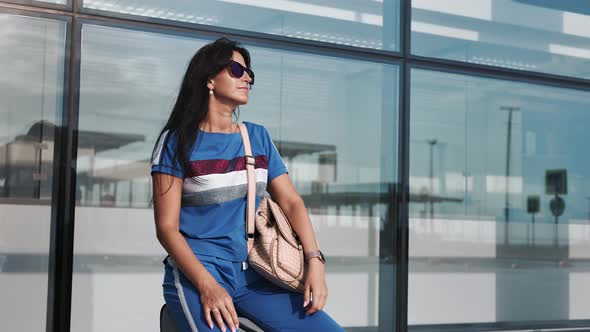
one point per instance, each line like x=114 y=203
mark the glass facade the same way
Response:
x=535 y=35
x=128 y=82
x=41 y=3
x=31 y=93
x=447 y=195
x=369 y=24
x=487 y=242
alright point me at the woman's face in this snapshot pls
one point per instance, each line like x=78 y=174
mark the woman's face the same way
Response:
x=230 y=89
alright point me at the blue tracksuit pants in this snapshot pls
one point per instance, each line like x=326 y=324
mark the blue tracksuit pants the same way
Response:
x=268 y=306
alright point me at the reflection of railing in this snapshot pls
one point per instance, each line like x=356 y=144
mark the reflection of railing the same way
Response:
x=363 y=194
x=289 y=149
x=100 y=263
x=84 y=263
x=109 y=179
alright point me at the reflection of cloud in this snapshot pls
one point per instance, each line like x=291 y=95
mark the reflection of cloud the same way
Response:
x=314 y=10
x=481 y=9
x=31 y=49
x=445 y=31
x=569 y=51
x=122 y=62
x=152 y=10
x=350 y=23
x=130 y=78
x=32 y=59
x=576 y=24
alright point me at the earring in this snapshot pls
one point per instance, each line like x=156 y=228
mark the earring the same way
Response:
x=211 y=91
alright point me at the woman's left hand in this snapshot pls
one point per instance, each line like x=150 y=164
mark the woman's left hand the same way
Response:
x=315 y=285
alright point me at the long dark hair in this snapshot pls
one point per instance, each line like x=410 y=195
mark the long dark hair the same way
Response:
x=191 y=106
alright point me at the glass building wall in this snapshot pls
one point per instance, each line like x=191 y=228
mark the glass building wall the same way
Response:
x=128 y=83
x=487 y=242
x=32 y=55
x=439 y=147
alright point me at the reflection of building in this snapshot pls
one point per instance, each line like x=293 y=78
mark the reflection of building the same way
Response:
x=26 y=162
x=324 y=160
x=370 y=77
x=110 y=179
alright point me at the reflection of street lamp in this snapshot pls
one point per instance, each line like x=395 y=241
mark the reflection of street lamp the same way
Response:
x=432 y=143
x=510 y=109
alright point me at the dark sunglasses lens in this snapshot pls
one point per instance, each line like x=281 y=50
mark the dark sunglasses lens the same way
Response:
x=236 y=69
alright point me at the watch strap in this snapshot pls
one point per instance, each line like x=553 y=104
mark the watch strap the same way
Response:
x=313 y=254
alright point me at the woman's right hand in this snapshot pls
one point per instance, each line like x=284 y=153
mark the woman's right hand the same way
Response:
x=218 y=304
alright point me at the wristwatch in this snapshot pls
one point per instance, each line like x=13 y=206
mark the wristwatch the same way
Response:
x=315 y=253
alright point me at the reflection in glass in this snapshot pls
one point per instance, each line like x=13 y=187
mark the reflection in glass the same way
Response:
x=62 y=2
x=370 y=24
x=490 y=162
x=544 y=36
x=129 y=81
x=32 y=65
x=39 y=2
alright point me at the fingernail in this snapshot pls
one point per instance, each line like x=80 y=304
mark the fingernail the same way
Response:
x=237 y=325
x=305 y=304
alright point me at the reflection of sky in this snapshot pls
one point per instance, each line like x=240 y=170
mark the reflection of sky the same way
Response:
x=341 y=22
x=129 y=84
x=511 y=34
x=31 y=63
x=129 y=81
x=463 y=114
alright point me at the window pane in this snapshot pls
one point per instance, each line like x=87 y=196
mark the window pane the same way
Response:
x=128 y=86
x=36 y=2
x=31 y=92
x=370 y=24
x=484 y=243
x=544 y=36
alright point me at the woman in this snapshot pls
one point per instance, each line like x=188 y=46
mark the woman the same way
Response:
x=199 y=190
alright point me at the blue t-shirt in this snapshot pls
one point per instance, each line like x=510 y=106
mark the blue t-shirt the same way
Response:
x=213 y=209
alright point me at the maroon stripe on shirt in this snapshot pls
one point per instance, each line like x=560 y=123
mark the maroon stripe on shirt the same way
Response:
x=221 y=166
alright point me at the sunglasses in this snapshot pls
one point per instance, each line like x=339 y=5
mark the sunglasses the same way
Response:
x=237 y=70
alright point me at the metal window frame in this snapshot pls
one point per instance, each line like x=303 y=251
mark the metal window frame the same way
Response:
x=401 y=243
x=64 y=190
x=64 y=185
x=553 y=325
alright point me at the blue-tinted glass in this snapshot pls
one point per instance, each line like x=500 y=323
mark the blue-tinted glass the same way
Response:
x=370 y=24
x=32 y=54
x=484 y=243
x=544 y=36
x=333 y=120
x=39 y=2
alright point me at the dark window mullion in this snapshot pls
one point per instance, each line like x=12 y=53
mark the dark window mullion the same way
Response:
x=403 y=188
x=63 y=196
